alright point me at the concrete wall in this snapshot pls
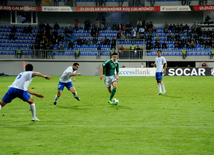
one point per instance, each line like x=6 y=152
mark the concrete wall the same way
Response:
x=57 y=67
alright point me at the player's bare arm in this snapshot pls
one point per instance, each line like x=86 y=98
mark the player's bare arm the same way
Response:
x=101 y=73
x=117 y=77
x=74 y=79
x=33 y=93
x=41 y=75
x=77 y=74
x=164 y=71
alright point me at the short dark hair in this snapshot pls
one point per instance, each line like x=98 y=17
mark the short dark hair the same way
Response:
x=114 y=54
x=29 y=67
x=75 y=64
x=159 y=50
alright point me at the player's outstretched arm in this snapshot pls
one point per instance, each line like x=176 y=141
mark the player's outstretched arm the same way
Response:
x=101 y=72
x=33 y=93
x=41 y=75
x=74 y=79
x=164 y=71
x=77 y=74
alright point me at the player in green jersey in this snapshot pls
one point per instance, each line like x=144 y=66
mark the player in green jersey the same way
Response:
x=108 y=70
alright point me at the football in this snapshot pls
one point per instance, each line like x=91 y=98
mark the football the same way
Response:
x=115 y=101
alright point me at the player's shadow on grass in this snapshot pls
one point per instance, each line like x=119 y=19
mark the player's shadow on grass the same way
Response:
x=171 y=96
x=76 y=107
x=118 y=107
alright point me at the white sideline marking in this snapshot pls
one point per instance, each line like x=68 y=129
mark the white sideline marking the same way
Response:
x=101 y=126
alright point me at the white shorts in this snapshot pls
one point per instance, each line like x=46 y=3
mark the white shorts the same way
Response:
x=109 y=80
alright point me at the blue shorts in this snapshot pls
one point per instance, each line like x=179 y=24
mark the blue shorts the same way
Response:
x=13 y=93
x=62 y=85
x=159 y=75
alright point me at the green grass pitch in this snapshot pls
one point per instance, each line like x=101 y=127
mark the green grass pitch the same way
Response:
x=179 y=122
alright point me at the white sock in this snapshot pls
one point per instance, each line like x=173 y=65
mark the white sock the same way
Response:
x=0 y=106
x=159 y=87
x=162 y=85
x=33 y=110
x=56 y=98
x=30 y=107
x=75 y=94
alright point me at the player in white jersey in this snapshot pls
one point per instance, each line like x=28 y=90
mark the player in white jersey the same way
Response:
x=160 y=62
x=65 y=81
x=19 y=89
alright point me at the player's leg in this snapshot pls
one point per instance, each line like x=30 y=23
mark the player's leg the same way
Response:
x=32 y=109
x=2 y=103
x=108 y=83
x=158 y=78
x=74 y=92
x=109 y=89
x=59 y=92
x=113 y=90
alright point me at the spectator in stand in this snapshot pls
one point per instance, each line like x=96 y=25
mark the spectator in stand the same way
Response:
x=164 y=46
x=84 y=41
x=157 y=38
x=124 y=26
x=142 y=65
x=128 y=29
x=79 y=41
x=98 y=51
x=194 y=27
x=166 y=27
x=184 y=53
x=111 y=52
x=119 y=35
x=204 y=43
x=120 y=27
x=211 y=53
x=198 y=30
x=188 y=44
x=207 y=18
x=184 y=40
x=47 y=30
x=212 y=35
x=18 y=53
x=56 y=3
x=41 y=27
x=24 y=30
x=13 y=29
x=121 y=52
x=103 y=20
x=204 y=65
x=148 y=46
x=114 y=26
x=93 y=32
x=76 y=24
x=180 y=44
x=12 y=36
x=139 y=24
x=177 y=37
x=102 y=2
x=154 y=30
x=173 y=37
x=157 y=44
x=56 y=26
x=208 y=44
x=77 y=53
x=176 y=44
x=107 y=41
x=94 y=41
x=87 y=25
x=141 y=32
x=113 y=43
x=120 y=3
x=169 y=37
x=29 y=29
x=186 y=27
x=102 y=42
x=97 y=2
x=134 y=33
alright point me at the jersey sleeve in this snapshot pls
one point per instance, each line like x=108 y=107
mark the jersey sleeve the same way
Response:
x=164 y=60
x=105 y=62
x=70 y=70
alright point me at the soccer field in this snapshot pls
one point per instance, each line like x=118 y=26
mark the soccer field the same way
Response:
x=178 y=122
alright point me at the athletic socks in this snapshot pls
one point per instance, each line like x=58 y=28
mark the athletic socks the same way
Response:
x=75 y=94
x=159 y=87
x=163 y=88
x=33 y=110
x=56 y=98
x=112 y=93
x=0 y=106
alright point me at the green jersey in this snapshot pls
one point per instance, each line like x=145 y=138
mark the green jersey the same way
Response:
x=109 y=67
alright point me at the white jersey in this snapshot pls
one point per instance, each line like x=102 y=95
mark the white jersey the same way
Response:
x=65 y=75
x=23 y=80
x=159 y=61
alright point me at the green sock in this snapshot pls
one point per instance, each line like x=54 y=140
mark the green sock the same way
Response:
x=113 y=93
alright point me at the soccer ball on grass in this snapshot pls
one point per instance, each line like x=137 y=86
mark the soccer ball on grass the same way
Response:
x=115 y=101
